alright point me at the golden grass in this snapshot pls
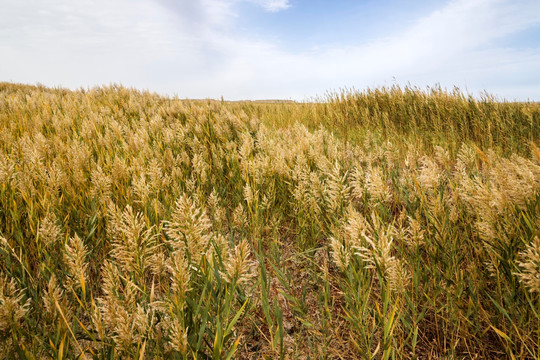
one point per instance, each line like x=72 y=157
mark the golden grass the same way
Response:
x=391 y=223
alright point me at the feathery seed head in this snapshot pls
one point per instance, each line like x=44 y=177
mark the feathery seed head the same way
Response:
x=239 y=267
x=189 y=228
x=378 y=256
x=133 y=243
x=415 y=233
x=357 y=226
x=101 y=184
x=239 y=217
x=357 y=183
x=49 y=231
x=75 y=258
x=529 y=263
x=178 y=267
x=12 y=307
x=52 y=296
x=178 y=337
x=7 y=169
x=377 y=186
x=341 y=254
x=430 y=174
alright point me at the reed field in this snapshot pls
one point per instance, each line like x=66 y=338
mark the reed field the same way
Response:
x=393 y=223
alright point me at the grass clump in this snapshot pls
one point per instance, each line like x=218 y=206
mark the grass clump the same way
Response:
x=393 y=223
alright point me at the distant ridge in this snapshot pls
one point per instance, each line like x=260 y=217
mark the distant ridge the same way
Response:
x=268 y=101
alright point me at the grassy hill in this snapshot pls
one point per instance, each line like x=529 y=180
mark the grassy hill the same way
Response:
x=390 y=223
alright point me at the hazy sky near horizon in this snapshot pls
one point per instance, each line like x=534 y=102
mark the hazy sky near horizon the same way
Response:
x=262 y=49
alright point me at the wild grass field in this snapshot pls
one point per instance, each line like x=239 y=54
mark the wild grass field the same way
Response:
x=394 y=223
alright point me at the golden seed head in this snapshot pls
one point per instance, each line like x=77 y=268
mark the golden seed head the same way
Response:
x=178 y=337
x=529 y=263
x=52 y=295
x=189 y=228
x=430 y=174
x=239 y=268
x=180 y=275
x=341 y=254
x=75 y=259
x=376 y=185
x=12 y=308
x=49 y=231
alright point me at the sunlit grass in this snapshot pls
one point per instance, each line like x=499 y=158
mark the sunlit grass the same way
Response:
x=391 y=223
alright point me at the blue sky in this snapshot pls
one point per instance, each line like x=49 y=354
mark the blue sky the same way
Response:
x=261 y=49
x=319 y=23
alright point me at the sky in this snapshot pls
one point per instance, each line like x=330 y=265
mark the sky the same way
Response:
x=273 y=49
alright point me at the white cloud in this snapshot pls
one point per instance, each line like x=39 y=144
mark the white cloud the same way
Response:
x=191 y=48
x=273 y=5
x=456 y=45
x=452 y=46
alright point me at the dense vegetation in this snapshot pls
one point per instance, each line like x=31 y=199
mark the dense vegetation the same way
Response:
x=391 y=223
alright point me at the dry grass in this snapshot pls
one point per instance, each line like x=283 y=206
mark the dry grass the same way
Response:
x=393 y=223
